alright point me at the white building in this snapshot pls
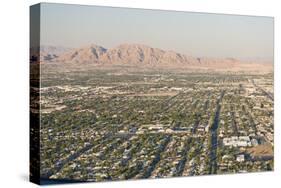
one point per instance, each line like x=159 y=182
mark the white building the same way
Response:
x=242 y=141
x=240 y=158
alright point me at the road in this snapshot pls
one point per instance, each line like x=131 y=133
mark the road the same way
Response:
x=214 y=137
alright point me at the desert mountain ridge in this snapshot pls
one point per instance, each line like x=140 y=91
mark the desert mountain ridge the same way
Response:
x=133 y=54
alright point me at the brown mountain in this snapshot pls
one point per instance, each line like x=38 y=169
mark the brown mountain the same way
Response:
x=138 y=54
x=133 y=53
x=88 y=54
x=125 y=54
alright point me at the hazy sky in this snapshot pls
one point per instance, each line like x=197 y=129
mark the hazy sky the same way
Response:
x=198 y=34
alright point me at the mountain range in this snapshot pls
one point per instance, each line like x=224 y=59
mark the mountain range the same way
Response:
x=130 y=54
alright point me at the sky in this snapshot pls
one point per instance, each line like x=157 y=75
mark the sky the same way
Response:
x=198 y=34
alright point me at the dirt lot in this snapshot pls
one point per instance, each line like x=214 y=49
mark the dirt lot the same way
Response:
x=264 y=150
